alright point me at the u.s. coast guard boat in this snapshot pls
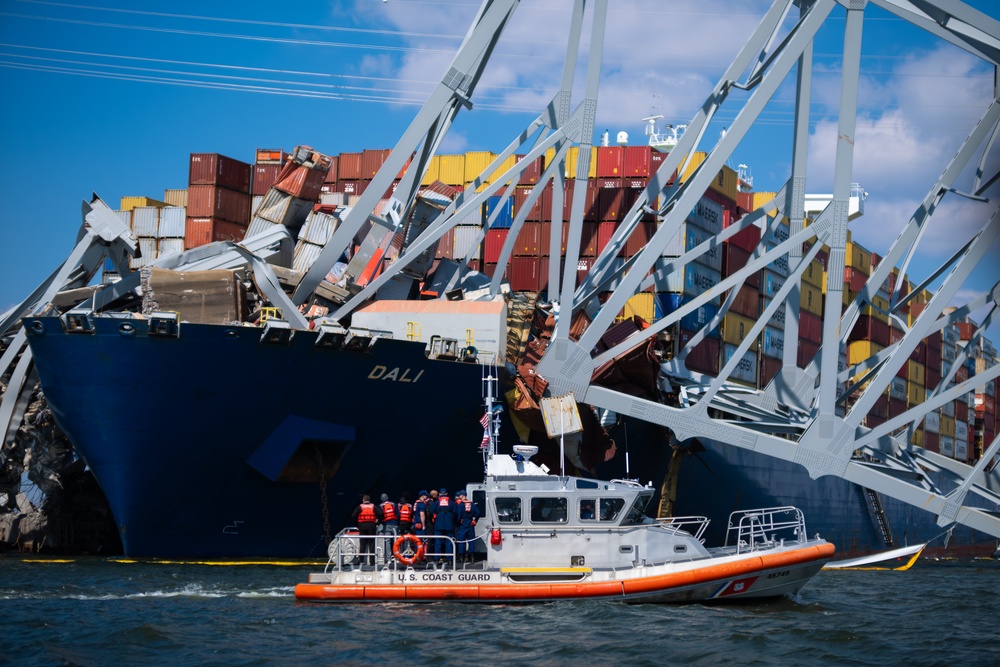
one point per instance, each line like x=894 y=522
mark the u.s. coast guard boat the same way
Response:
x=545 y=537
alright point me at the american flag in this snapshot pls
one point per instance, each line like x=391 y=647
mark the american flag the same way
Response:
x=486 y=440
x=485 y=420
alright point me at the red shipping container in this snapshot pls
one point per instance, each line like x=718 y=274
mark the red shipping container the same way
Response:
x=871 y=421
x=734 y=259
x=545 y=239
x=216 y=169
x=806 y=353
x=591 y=209
x=264 y=176
x=747 y=239
x=331 y=174
x=300 y=181
x=351 y=187
x=495 y=239
x=490 y=269
x=605 y=230
x=610 y=161
x=961 y=374
x=637 y=161
x=919 y=353
x=932 y=442
x=934 y=342
x=704 y=357
x=206 y=201
x=199 y=231
x=854 y=280
x=747 y=302
x=869 y=328
x=897 y=406
x=810 y=327
x=962 y=412
x=933 y=361
x=881 y=407
x=528 y=242
x=524 y=274
x=446 y=246
x=541 y=211
x=372 y=160
x=543 y=274
x=583 y=266
x=639 y=238
x=965 y=330
x=349 y=167
x=769 y=367
x=611 y=205
x=532 y=172
x=744 y=200
x=589 y=241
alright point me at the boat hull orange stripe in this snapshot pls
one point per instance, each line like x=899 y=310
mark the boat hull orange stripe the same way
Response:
x=549 y=591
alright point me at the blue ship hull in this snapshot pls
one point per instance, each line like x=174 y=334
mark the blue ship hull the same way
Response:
x=205 y=444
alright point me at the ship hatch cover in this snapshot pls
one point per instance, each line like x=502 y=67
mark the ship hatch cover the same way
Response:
x=290 y=452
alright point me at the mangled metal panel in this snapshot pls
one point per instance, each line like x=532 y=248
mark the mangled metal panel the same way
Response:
x=205 y=297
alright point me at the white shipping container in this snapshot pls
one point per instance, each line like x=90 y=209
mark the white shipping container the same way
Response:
x=255 y=203
x=897 y=388
x=169 y=247
x=770 y=283
x=318 y=228
x=781 y=233
x=779 y=264
x=948 y=409
x=708 y=215
x=259 y=225
x=948 y=352
x=961 y=449
x=146 y=221
x=950 y=334
x=693 y=280
x=147 y=250
x=467 y=238
x=932 y=422
x=125 y=217
x=778 y=320
x=686 y=239
x=948 y=446
x=961 y=431
x=473 y=218
x=773 y=343
x=172 y=222
x=746 y=369
x=484 y=321
x=305 y=254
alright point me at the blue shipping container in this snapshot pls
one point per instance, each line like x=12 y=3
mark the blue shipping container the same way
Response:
x=505 y=218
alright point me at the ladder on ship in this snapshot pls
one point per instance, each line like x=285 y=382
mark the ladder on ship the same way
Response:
x=876 y=510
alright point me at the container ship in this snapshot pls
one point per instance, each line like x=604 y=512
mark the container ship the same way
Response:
x=216 y=429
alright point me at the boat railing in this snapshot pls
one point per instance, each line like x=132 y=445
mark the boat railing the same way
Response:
x=750 y=530
x=345 y=551
x=695 y=525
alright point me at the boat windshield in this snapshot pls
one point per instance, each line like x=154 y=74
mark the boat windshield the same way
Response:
x=636 y=513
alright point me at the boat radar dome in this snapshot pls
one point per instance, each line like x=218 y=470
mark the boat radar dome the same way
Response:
x=623 y=138
x=527 y=451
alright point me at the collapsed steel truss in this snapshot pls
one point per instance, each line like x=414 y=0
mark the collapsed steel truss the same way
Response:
x=814 y=426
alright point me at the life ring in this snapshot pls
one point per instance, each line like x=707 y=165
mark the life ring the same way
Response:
x=418 y=549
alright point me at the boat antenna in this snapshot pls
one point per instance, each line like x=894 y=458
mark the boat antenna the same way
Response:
x=491 y=418
x=625 y=430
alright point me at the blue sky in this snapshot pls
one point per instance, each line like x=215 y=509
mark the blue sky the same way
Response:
x=111 y=97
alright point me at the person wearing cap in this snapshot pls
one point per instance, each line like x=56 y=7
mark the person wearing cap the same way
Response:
x=442 y=512
x=466 y=514
x=420 y=514
x=390 y=521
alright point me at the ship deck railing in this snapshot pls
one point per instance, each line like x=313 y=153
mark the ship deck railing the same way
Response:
x=345 y=552
x=693 y=525
x=751 y=530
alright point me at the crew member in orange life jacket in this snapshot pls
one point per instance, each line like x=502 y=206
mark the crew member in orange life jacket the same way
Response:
x=390 y=520
x=443 y=512
x=405 y=514
x=366 y=517
x=466 y=514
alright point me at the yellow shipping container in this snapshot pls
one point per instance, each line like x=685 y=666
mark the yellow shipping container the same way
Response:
x=452 y=169
x=175 y=197
x=947 y=426
x=571 y=159
x=504 y=166
x=813 y=275
x=915 y=393
x=735 y=328
x=476 y=163
x=859 y=350
x=761 y=198
x=726 y=183
x=880 y=310
x=915 y=372
x=859 y=258
x=811 y=299
x=918 y=437
x=129 y=203
x=550 y=155
x=641 y=304
x=696 y=160
x=433 y=172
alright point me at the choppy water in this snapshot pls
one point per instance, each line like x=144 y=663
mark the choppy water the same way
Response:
x=100 y=612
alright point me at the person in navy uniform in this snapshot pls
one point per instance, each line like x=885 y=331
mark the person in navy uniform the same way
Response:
x=466 y=514
x=420 y=514
x=367 y=516
x=442 y=513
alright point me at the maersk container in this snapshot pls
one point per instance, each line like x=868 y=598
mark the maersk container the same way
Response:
x=947 y=446
x=961 y=431
x=172 y=220
x=780 y=264
x=708 y=215
x=216 y=169
x=897 y=388
x=770 y=283
x=693 y=280
x=146 y=221
x=932 y=422
x=746 y=369
x=666 y=303
x=778 y=319
x=948 y=410
x=688 y=237
x=699 y=317
x=773 y=343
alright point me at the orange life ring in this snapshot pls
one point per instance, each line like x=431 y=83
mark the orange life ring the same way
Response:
x=403 y=558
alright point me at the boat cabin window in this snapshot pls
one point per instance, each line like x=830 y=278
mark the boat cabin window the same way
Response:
x=601 y=509
x=548 y=510
x=636 y=512
x=508 y=510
